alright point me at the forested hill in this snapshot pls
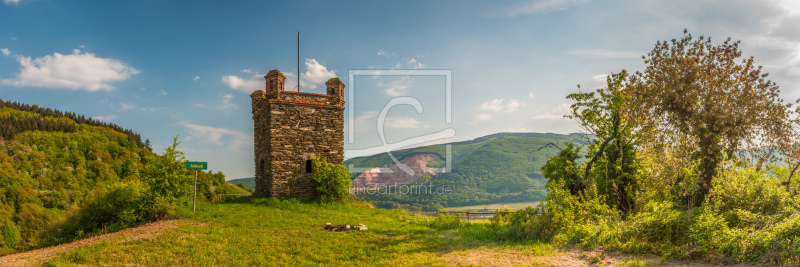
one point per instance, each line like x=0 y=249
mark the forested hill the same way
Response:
x=29 y=118
x=502 y=167
x=62 y=179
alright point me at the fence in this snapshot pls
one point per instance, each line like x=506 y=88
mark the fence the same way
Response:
x=215 y=198
x=467 y=215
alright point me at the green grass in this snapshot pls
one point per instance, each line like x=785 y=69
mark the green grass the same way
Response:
x=259 y=232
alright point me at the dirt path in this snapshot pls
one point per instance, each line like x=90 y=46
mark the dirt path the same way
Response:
x=39 y=256
x=569 y=256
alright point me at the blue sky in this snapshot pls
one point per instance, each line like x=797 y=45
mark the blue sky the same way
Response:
x=167 y=68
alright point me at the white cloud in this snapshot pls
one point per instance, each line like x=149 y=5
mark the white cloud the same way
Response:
x=600 y=78
x=542 y=7
x=316 y=74
x=531 y=95
x=5 y=51
x=127 y=106
x=142 y=89
x=414 y=63
x=396 y=87
x=494 y=105
x=512 y=106
x=499 y=106
x=403 y=123
x=162 y=92
x=105 y=118
x=244 y=85
x=386 y=54
x=13 y=38
x=196 y=78
x=226 y=102
x=396 y=91
x=75 y=71
x=236 y=139
x=605 y=53
x=9 y=2
x=198 y=105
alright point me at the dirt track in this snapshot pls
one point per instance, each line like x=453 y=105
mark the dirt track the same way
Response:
x=39 y=256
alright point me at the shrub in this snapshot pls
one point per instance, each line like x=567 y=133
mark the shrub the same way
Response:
x=122 y=205
x=9 y=235
x=333 y=180
x=658 y=228
x=524 y=224
x=445 y=222
x=749 y=217
x=167 y=177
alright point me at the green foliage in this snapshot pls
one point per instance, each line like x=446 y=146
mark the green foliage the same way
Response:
x=52 y=177
x=167 y=177
x=332 y=180
x=697 y=98
x=612 y=162
x=658 y=228
x=564 y=168
x=580 y=219
x=9 y=235
x=752 y=191
x=445 y=221
x=524 y=224
x=120 y=206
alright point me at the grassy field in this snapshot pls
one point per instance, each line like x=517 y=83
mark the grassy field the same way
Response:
x=513 y=206
x=268 y=232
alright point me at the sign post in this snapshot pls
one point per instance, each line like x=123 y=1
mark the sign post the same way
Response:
x=195 y=166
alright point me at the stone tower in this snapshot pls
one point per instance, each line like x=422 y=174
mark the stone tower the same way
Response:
x=290 y=129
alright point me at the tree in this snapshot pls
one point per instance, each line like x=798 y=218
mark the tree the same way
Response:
x=167 y=177
x=693 y=97
x=9 y=235
x=564 y=169
x=613 y=164
x=147 y=144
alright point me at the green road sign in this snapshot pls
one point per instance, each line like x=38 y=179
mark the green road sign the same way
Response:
x=196 y=165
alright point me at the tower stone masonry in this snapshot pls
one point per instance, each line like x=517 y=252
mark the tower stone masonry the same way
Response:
x=290 y=129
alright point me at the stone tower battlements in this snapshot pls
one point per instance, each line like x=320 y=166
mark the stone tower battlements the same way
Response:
x=290 y=129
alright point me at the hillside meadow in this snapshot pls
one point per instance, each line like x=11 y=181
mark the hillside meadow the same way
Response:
x=271 y=232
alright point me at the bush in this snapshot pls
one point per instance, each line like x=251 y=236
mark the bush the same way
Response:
x=750 y=190
x=658 y=228
x=749 y=217
x=333 y=180
x=525 y=224
x=9 y=235
x=120 y=206
x=445 y=222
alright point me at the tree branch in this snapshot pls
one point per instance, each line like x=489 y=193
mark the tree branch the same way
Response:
x=600 y=150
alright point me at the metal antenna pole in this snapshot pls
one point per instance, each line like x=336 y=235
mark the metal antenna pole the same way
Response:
x=298 y=61
x=194 y=202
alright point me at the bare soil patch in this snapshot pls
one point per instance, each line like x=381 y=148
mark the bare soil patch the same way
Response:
x=571 y=256
x=39 y=256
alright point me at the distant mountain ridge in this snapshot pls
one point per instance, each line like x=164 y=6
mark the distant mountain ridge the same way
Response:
x=500 y=167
